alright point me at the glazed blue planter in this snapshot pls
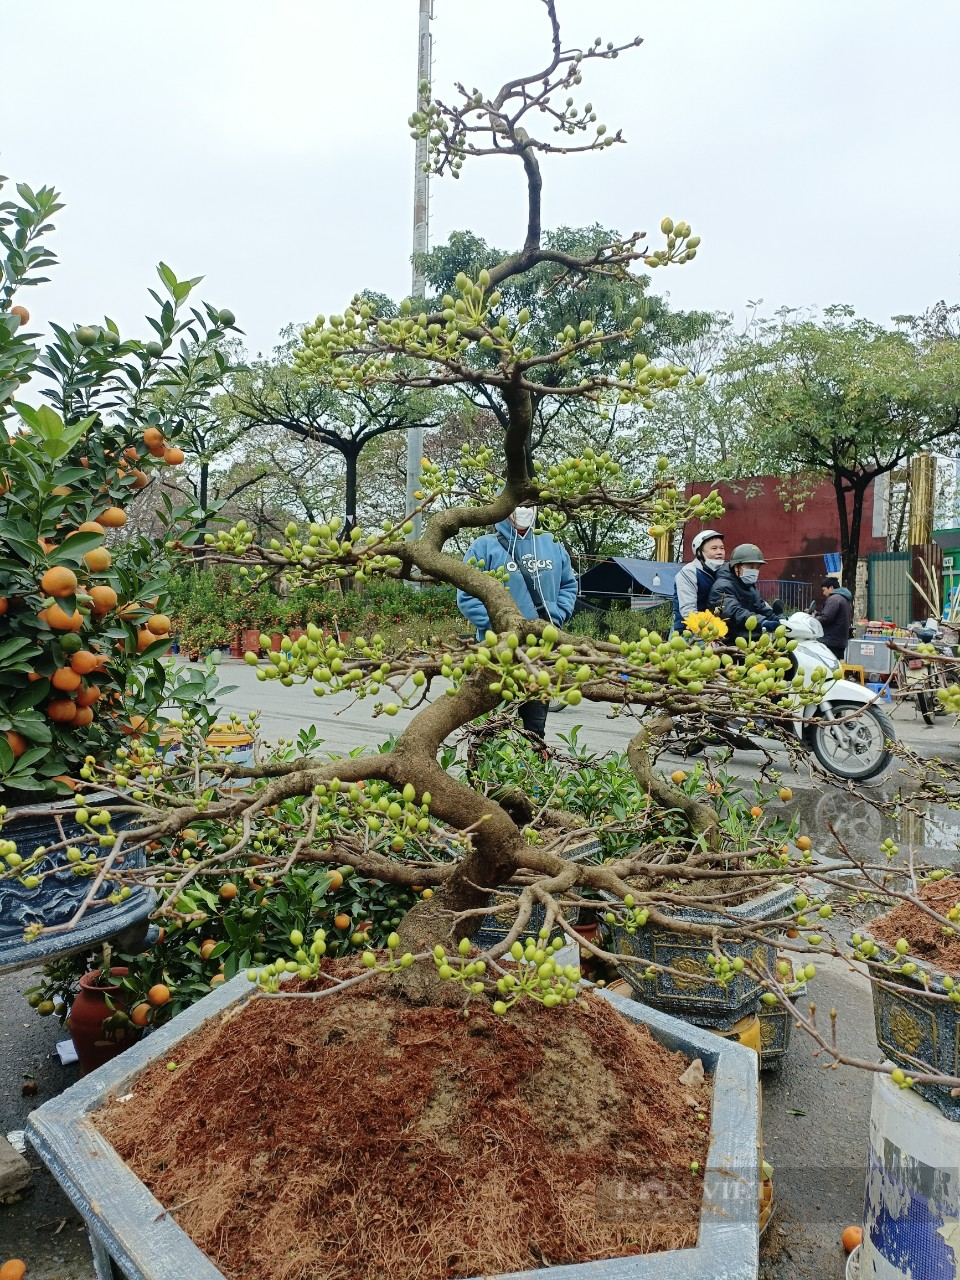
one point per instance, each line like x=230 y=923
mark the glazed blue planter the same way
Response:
x=59 y=895
x=693 y=992
x=127 y=1224
x=912 y=1027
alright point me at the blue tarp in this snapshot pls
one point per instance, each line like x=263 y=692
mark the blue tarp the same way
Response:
x=644 y=572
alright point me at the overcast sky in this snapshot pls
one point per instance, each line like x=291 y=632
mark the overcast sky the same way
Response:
x=813 y=144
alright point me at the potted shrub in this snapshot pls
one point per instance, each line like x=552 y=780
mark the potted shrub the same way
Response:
x=82 y=623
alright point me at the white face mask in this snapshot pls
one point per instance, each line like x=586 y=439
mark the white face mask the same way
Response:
x=525 y=517
x=713 y=564
x=749 y=576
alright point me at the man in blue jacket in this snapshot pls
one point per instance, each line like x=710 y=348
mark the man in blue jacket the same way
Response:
x=541 y=583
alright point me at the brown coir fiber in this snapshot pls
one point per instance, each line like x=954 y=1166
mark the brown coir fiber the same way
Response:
x=926 y=936
x=357 y=1137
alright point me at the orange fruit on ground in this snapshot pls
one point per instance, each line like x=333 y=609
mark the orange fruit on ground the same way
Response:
x=206 y=948
x=756 y=812
x=113 y=518
x=851 y=1237
x=62 y=711
x=65 y=679
x=678 y=776
x=98 y=560
x=803 y=843
x=158 y=994
x=140 y=1014
x=16 y=742
x=83 y=717
x=60 y=620
x=173 y=457
x=342 y=921
x=23 y=315
x=84 y=662
x=104 y=599
x=140 y=479
x=90 y=526
x=228 y=891
x=59 y=582
x=4 y=605
x=427 y=893
x=152 y=437
x=159 y=624
x=785 y=794
x=14 y=1269
x=87 y=697
x=336 y=880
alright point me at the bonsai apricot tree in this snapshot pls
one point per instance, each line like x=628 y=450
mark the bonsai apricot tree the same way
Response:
x=410 y=814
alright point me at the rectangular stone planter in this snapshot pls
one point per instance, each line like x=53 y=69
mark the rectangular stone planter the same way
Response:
x=128 y=1224
x=696 y=995
x=910 y=1025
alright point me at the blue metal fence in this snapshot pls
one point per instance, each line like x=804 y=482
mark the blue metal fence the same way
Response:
x=795 y=595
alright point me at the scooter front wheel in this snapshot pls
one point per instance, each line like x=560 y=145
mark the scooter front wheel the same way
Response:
x=854 y=748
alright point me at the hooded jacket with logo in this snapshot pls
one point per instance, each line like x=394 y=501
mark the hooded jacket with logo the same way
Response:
x=544 y=559
x=735 y=601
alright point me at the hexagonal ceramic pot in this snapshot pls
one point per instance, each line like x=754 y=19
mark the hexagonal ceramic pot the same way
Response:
x=913 y=1029
x=692 y=992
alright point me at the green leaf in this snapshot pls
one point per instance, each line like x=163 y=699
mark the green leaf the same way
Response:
x=75 y=547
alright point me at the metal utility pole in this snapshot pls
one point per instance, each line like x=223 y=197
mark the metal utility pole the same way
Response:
x=421 y=212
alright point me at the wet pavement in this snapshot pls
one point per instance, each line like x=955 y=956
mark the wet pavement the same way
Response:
x=814 y=1120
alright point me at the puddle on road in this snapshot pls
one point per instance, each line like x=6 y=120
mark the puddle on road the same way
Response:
x=933 y=831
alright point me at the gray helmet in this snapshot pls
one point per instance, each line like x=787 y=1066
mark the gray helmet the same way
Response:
x=747 y=553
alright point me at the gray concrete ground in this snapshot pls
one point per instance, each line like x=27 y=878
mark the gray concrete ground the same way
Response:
x=814 y=1120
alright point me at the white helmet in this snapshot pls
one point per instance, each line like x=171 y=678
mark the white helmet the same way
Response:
x=703 y=536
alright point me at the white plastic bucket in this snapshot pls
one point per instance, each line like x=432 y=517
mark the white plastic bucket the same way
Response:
x=911 y=1227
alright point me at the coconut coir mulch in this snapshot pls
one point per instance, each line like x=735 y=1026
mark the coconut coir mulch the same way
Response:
x=358 y=1137
x=926 y=936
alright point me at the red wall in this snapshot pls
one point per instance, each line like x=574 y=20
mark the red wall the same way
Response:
x=794 y=541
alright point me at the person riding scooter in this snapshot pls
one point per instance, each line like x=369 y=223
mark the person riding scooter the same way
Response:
x=734 y=596
x=691 y=590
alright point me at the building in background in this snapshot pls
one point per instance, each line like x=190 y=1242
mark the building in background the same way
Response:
x=795 y=541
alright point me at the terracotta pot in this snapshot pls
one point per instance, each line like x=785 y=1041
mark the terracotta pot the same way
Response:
x=589 y=933
x=250 y=640
x=296 y=632
x=275 y=638
x=236 y=646
x=96 y=1044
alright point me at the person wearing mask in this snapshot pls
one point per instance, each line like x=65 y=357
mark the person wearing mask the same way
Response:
x=734 y=595
x=691 y=590
x=835 y=614
x=541 y=582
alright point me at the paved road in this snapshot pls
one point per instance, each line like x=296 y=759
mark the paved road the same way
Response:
x=818 y=1155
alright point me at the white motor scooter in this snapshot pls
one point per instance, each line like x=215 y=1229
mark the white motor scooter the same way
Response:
x=850 y=745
